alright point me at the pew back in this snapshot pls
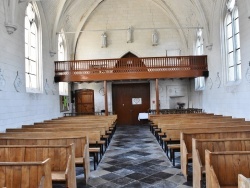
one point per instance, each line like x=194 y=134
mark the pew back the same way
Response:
x=186 y=141
x=25 y=174
x=81 y=144
x=226 y=166
x=62 y=159
x=213 y=145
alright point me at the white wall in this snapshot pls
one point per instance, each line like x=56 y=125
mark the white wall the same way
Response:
x=219 y=97
x=98 y=94
x=168 y=98
x=115 y=23
x=19 y=107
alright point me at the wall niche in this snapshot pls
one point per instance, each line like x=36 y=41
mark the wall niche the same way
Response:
x=177 y=94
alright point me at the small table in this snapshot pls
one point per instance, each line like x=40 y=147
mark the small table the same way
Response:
x=142 y=116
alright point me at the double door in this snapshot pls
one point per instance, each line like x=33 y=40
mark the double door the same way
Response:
x=129 y=100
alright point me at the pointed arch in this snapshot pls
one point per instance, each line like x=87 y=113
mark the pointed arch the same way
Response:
x=33 y=49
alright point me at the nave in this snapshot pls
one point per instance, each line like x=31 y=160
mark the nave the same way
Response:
x=134 y=159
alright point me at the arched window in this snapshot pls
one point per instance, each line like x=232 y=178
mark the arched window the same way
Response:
x=199 y=81
x=63 y=86
x=232 y=33
x=199 y=42
x=33 y=66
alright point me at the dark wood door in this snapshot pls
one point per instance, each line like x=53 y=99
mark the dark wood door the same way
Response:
x=129 y=100
x=85 y=101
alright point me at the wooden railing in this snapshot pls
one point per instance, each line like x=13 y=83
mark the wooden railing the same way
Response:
x=130 y=68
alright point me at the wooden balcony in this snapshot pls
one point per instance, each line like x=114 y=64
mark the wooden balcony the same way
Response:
x=131 y=68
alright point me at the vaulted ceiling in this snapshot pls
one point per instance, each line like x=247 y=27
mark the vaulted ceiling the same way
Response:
x=72 y=15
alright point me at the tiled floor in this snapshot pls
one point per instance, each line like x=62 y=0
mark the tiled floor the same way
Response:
x=134 y=159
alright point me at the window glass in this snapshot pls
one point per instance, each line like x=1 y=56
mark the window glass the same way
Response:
x=239 y=71
x=229 y=31
x=237 y=41
x=233 y=42
x=231 y=74
x=32 y=68
x=63 y=86
x=230 y=59
x=230 y=45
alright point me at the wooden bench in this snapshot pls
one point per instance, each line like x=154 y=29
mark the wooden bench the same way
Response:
x=213 y=145
x=165 y=129
x=243 y=182
x=172 y=136
x=184 y=123
x=25 y=174
x=96 y=139
x=106 y=134
x=110 y=122
x=94 y=134
x=62 y=159
x=81 y=145
x=222 y=168
x=71 y=124
x=186 y=141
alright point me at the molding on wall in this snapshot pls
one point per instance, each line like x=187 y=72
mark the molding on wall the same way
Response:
x=2 y=80
x=218 y=80
x=10 y=14
x=247 y=75
x=209 y=83
x=18 y=83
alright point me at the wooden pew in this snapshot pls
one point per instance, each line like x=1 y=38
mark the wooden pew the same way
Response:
x=171 y=117
x=243 y=182
x=213 y=145
x=62 y=159
x=107 y=135
x=96 y=145
x=165 y=129
x=25 y=174
x=81 y=145
x=72 y=124
x=222 y=168
x=219 y=133
x=172 y=136
x=188 y=121
x=110 y=122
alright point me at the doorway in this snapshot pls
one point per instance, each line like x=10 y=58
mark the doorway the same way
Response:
x=85 y=101
x=129 y=100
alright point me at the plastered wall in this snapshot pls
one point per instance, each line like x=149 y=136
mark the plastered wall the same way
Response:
x=17 y=106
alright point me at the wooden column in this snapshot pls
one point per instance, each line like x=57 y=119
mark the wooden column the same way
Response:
x=157 y=95
x=106 y=98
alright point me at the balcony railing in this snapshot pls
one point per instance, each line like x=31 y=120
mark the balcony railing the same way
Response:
x=130 y=68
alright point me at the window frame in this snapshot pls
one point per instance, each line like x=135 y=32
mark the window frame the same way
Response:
x=232 y=35
x=33 y=55
x=199 y=81
x=63 y=86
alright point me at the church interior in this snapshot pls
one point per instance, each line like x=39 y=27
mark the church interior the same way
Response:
x=135 y=82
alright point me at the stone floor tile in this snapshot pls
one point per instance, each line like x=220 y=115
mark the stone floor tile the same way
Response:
x=137 y=184
x=134 y=159
x=123 y=181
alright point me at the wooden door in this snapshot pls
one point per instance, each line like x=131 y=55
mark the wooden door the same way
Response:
x=129 y=100
x=85 y=101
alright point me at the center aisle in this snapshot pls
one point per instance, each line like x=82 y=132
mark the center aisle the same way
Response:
x=135 y=159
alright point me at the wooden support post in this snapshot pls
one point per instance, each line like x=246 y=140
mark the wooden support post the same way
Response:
x=157 y=95
x=106 y=98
